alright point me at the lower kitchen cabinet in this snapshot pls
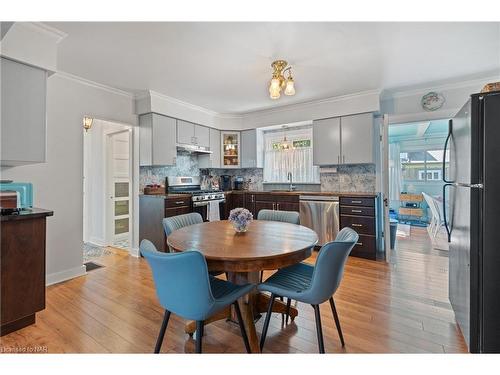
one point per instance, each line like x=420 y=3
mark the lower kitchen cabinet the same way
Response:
x=279 y=202
x=359 y=213
x=153 y=209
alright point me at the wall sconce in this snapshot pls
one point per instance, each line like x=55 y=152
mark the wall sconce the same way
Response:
x=87 y=123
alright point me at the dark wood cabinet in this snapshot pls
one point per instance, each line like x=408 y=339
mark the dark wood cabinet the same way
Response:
x=279 y=202
x=153 y=209
x=22 y=268
x=359 y=213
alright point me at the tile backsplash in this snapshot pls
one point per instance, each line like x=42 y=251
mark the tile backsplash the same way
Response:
x=347 y=178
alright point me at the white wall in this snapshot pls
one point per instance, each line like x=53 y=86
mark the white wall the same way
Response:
x=405 y=106
x=58 y=184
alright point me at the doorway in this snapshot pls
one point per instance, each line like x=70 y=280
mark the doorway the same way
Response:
x=415 y=171
x=107 y=185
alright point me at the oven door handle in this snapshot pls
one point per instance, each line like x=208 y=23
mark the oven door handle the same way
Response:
x=200 y=204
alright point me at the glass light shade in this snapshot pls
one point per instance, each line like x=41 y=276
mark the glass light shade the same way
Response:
x=274 y=93
x=87 y=122
x=275 y=84
x=290 y=89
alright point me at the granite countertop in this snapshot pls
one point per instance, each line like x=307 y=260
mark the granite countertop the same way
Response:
x=324 y=193
x=32 y=213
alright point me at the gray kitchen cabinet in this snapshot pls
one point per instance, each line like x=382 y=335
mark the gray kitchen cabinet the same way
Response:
x=357 y=138
x=185 y=132
x=249 y=148
x=326 y=141
x=343 y=140
x=157 y=140
x=192 y=134
x=23 y=114
x=211 y=160
x=202 y=135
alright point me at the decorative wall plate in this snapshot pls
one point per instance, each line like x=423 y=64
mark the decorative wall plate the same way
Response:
x=432 y=101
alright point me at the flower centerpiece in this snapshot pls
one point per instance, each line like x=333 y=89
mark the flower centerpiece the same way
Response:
x=240 y=218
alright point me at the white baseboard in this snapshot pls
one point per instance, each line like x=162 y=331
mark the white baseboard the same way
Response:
x=58 y=277
x=134 y=251
x=97 y=241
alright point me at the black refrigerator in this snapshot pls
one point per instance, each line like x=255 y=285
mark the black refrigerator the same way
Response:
x=471 y=199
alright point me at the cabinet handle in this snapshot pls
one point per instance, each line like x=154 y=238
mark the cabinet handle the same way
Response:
x=359 y=211
x=343 y=157
x=338 y=159
x=274 y=204
x=179 y=202
x=359 y=243
x=277 y=206
x=356 y=202
x=356 y=225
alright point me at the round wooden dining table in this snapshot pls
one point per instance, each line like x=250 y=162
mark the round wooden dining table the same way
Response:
x=266 y=245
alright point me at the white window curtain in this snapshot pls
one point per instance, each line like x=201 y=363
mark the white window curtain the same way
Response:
x=298 y=161
x=395 y=175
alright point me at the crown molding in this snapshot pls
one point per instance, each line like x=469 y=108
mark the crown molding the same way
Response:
x=43 y=28
x=402 y=93
x=97 y=85
x=312 y=103
x=175 y=101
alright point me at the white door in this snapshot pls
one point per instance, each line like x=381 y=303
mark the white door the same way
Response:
x=119 y=189
x=385 y=186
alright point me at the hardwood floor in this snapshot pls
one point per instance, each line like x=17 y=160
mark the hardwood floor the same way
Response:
x=383 y=308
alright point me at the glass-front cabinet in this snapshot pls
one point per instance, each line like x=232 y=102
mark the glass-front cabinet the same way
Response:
x=231 y=149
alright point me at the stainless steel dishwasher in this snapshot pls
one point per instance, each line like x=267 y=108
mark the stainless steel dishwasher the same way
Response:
x=321 y=214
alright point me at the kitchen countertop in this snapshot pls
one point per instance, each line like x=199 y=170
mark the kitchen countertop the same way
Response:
x=32 y=213
x=320 y=193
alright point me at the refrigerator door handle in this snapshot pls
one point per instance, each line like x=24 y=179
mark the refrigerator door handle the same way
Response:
x=450 y=133
x=445 y=219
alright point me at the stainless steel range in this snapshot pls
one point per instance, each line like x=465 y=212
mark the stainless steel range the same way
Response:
x=192 y=185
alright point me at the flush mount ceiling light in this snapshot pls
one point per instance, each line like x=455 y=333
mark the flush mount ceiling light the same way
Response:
x=279 y=82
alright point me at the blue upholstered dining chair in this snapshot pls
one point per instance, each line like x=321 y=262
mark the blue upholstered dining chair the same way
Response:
x=185 y=288
x=313 y=284
x=173 y=223
x=284 y=216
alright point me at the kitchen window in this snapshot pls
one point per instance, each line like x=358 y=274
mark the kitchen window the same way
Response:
x=294 y=156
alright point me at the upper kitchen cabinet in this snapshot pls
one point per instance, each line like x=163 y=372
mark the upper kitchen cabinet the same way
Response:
x=343 y=140
x=231 y=149
x=157 y=137
x=23 y=114
x=357 y=138
x=249 y=148
x=192 y=134
x=326 y=141
x=211 y=160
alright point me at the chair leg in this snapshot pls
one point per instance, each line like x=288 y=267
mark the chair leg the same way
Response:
x=199 y=335
x=337 y=321
x=242 y=327
x=288 y=302
x=163 y=328
x=319 y=330
x=261 y=276
x=266 y=322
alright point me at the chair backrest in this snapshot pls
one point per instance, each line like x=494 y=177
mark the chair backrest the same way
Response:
x=330 y=263
x=432 y=205
x=173 y=223
x=181 y=280
x=284 y=216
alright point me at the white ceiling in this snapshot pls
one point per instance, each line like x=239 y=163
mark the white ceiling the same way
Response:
x=225 y=67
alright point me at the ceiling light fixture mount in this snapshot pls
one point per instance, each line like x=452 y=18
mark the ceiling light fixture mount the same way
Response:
x=279 y=82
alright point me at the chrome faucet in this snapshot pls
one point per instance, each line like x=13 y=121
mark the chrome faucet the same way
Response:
x=289 y=178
